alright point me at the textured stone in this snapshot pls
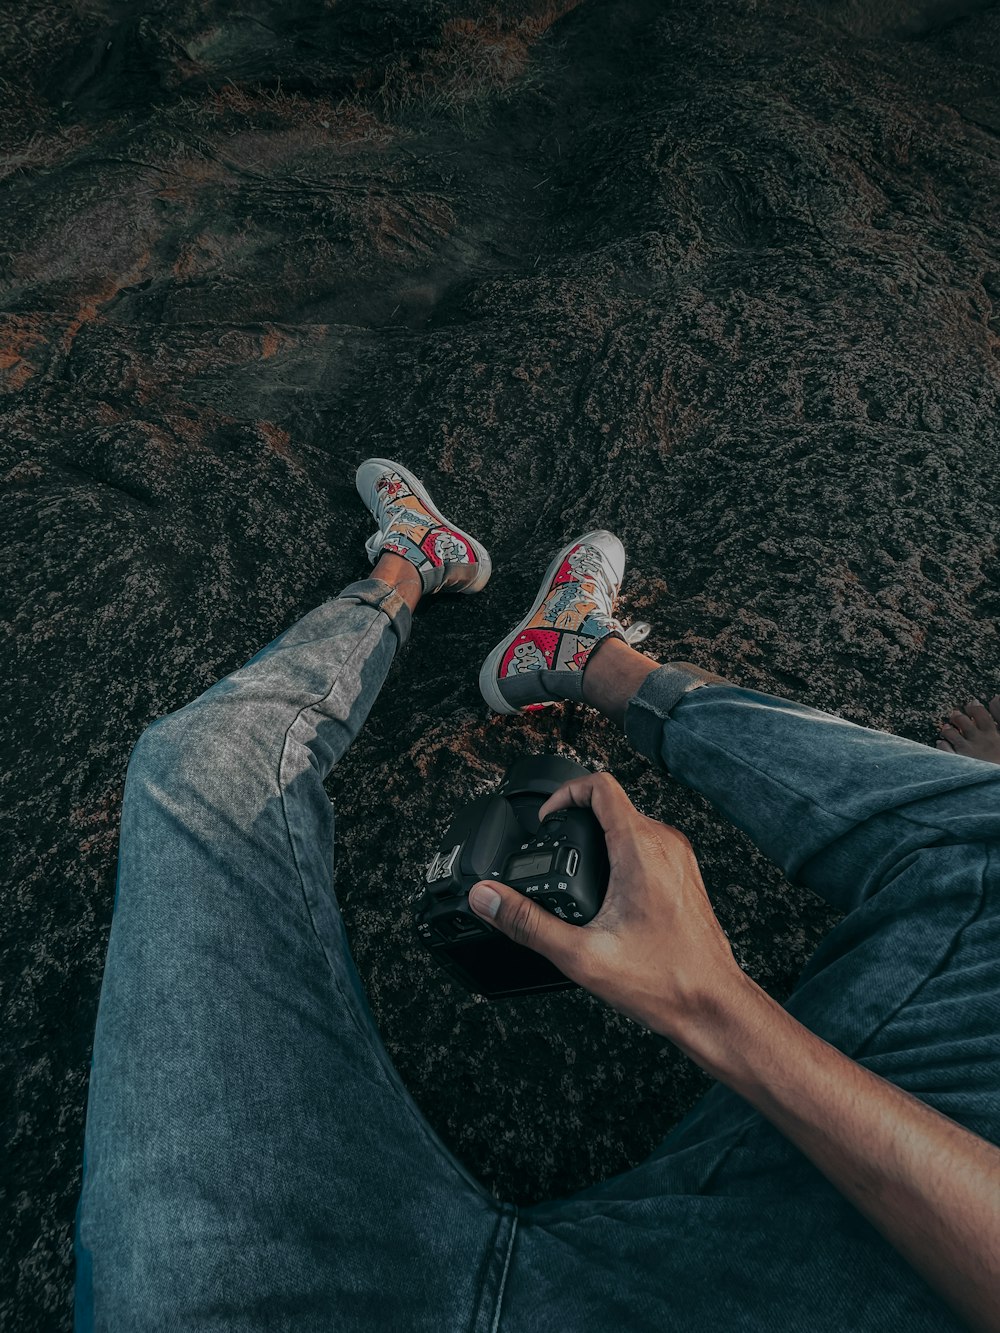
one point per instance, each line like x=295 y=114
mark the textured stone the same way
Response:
x=724 y=278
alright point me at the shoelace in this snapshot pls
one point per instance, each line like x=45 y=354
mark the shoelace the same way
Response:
x=635 y=633
x=393 y=511
x=380 y=536
x=608 y=589
x=374 y=542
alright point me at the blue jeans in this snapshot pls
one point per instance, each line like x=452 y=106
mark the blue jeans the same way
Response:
x=253 y=1159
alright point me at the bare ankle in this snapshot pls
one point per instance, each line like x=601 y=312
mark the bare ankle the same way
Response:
x=403 y=576
x=613 y=673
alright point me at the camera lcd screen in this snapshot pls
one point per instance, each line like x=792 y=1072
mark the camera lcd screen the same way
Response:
x=525 y=867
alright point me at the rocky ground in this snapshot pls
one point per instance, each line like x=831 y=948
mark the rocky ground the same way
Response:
x=722 y=277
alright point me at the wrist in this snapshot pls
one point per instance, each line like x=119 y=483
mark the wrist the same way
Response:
x=722 y=1030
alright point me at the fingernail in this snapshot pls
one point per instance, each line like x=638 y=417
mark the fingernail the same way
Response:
x=484 y=899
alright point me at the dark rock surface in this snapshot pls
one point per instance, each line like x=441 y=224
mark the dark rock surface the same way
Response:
x=724 y=278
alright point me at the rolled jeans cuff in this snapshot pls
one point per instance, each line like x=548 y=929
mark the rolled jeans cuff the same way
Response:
x=384 y=597
x=649 y=707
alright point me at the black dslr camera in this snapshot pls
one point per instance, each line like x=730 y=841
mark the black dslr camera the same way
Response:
x=562 y=864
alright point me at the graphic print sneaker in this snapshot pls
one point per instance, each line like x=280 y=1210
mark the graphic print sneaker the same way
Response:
x=541 y=661
x=410 y=525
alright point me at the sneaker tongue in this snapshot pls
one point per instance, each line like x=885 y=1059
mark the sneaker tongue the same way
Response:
x=585 y=606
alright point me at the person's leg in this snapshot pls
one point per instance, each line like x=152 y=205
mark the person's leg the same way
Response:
x=835 y=805
x=252 y=1158
x=726 y=1224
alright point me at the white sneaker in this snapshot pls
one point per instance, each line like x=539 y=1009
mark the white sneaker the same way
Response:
x=410 y=525
x=541 y=661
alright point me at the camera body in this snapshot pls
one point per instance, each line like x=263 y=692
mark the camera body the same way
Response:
x=562 y=864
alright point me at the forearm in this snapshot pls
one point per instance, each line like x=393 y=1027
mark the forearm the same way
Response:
x=931 y=1187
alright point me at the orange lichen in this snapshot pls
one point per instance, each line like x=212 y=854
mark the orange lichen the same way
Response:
x=19 y=334
x=198 y=255
x=16 y=373
x=186 y=427
x=91 y=303
x=105 y=414
x=99 y=822
x=277 y=439
x=460 y=737
x=279 y=442
x=272 y=343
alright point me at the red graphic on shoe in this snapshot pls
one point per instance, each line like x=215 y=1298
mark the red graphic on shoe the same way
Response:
x=579 y=565
x=532 y=650
x=442 y=544
x=566 y=574
x=390 y=489
x=579 y=659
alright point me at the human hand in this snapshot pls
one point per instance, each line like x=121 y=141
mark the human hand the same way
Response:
x=655 y=951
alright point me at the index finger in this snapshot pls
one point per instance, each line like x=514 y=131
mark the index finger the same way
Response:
x=600 y=792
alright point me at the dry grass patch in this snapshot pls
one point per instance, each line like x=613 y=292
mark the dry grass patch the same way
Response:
x=344 y=122
x=31 y=137
x=479 y=59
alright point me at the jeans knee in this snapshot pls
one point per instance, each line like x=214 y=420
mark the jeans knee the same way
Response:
x=161 y=732
x=149 y=761
x=190 y=741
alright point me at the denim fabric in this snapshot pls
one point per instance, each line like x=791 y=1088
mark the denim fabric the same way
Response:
x=253 y=1160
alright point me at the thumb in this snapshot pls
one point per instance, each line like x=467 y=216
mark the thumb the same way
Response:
x=525 y=922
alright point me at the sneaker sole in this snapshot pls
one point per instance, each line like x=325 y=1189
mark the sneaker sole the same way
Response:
x=482 y=555
x=488 y=686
